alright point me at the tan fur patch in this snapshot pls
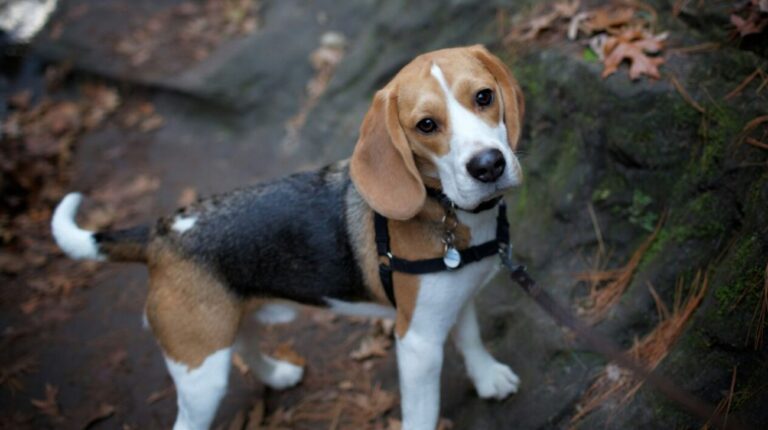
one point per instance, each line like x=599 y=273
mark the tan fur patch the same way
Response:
x=191 y=313
x=363 y=239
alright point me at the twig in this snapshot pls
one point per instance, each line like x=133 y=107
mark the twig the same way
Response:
x=758 y=318
x=596 y=227
x=730 y=397
x=695 y=49
x=754 y=142
x=678 y=7
x=687 y=97
x=736 y=91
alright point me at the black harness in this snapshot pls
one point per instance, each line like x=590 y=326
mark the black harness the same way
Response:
x=432 y=265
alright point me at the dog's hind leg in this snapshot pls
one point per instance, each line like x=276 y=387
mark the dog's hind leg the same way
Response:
x=275 y=373
x=200 y=390
x=195 y=320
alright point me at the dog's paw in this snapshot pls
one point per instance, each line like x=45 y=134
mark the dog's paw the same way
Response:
x=495 y=381
x=282 y=374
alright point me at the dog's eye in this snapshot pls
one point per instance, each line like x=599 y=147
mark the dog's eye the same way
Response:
x=484 y=97
x=427 y=125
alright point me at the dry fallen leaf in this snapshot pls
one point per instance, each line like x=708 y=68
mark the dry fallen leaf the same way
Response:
x=187 y=197
x=239 y=363
x=10 y=375
x=608 y=18
x=104 y=411
x=752 y=18
x=285 y=352
x=49 y=406
x=633 y=45
x=237 y=423
x=161 y=394
x=255 y=416
x=371 y=346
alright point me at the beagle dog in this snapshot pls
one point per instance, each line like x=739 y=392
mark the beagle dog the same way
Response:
x=449 y=120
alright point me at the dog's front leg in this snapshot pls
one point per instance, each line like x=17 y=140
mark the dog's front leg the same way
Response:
x=491 y=378
x=419 y=361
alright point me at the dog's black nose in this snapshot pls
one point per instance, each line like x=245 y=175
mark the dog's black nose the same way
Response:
x=487 y=166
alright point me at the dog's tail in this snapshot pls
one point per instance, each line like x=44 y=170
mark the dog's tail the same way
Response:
x=119 y=245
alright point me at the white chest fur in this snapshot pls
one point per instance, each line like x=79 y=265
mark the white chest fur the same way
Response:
x=442 y=294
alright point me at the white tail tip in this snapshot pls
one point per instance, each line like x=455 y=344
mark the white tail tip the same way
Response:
x=74 y=241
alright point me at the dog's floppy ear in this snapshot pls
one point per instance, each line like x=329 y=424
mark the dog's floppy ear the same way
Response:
x=382 y=165
x=512 y=96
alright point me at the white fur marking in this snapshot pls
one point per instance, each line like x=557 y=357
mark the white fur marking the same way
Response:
x=182 y=223
x=440 y=300
x=276 y=313
x=491 y=378
x=470 y=135
x=74 y=241
x=278 y=374
x=361 y=309
x=199 y=391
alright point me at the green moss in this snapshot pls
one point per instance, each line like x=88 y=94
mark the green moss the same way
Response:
x=531 y=76
x=741 y=275
x=568 y=158
x=639 y=212
x=610 y=187
x=717 y=131
x=521 y=200
x=684 y=115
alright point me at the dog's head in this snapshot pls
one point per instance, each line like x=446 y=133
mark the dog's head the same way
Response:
x=450 y=118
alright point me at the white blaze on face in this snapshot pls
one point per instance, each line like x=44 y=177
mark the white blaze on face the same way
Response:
x=471 y=135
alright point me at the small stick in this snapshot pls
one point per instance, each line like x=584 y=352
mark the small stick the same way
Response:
x=687 y=97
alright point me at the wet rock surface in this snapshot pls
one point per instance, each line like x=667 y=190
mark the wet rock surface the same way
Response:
x=631 y=152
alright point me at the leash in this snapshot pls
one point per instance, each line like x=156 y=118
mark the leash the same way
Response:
x=454 y=259
x=600 y=344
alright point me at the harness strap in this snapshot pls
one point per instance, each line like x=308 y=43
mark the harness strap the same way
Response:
x=431 y=265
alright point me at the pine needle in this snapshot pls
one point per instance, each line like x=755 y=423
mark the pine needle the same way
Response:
x=607 y=286
x=650 y=350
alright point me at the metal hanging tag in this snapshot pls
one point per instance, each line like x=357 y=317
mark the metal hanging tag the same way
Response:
x=452 y=258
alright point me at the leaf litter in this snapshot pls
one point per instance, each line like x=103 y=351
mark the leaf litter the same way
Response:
x=39 y=136
x=650 y=351
x=618 y=32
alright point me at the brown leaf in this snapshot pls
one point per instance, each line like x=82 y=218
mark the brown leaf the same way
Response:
x=750 y=19
x=62 y=117
x=380 y=402
x=20 y=100
x=11 y=263
x=238 y=422
x=10 y=375
x=104 y=411
x=239 y=363
x=285 y=352
x=608 y=18
x=49 y=406
x=371 y=346
x=255 y=416
x=161 y=394
x=634 y=46
x=151 y=123
x=566 y=8
x=187 y=197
